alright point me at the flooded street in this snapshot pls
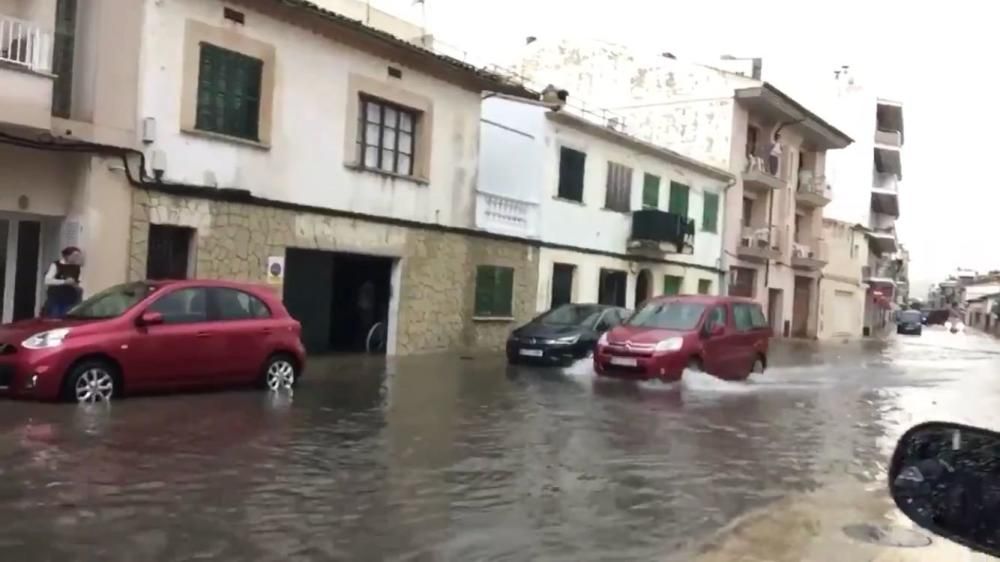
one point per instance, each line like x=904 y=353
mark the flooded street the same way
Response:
x=466 y=459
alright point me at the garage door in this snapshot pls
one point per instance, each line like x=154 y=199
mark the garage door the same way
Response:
x=845 y=314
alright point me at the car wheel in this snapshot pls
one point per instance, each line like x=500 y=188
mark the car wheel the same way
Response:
x=280 y=373
x=91 y=381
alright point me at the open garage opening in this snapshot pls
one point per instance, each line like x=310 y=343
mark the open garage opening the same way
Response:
x=343 y=300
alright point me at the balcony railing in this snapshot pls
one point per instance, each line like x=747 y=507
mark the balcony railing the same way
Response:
x=25 y=44
x=652 y=227
x=759 y=243
x=506 y=215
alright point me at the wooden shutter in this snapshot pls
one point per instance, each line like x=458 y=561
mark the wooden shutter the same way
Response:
x=710 y=216
x=679 y=199
x=651 y=191
x=672 y=284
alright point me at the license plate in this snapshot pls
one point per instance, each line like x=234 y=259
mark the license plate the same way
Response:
x=624 y=361
x=531 y=352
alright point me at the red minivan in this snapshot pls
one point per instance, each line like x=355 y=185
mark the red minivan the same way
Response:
x=153 y=335
x=724 y=336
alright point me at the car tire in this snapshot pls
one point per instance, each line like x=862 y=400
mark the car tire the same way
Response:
x=92 y=380
x=280 y=372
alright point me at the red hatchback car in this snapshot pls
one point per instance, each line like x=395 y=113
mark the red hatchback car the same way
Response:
x=155 y=335
x=724 y=336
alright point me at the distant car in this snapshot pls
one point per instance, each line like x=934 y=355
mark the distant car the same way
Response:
x=563 y=334
x=724 y=336
x=153 y=335
x=909 y=322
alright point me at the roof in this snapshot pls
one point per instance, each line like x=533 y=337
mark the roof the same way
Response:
x=780 y=105
x=612 y=135
x=452 y=69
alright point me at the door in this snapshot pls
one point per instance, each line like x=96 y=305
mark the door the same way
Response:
x=180 y=352
x=800 y=307
x=719 y=353
x=245 y=330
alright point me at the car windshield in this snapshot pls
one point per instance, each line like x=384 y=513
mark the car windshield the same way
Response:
x=910 y=316
x=112 y=302
x=669 y=315
x=571 y=315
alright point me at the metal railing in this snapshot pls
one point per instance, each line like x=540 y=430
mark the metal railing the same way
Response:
x=26 y=44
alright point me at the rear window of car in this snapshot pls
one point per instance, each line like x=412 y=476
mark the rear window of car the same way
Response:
x=668 y=315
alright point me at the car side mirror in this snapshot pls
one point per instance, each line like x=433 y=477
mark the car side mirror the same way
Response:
x=946 y=478
x=150 y=318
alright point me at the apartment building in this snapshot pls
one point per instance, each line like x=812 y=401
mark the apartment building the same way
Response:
x=726 y=116
x=64 y=77
x=618 y=220
x=351 y=189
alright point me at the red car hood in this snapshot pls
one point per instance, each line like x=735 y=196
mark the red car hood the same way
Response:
x=17 y=332
x=637 y=334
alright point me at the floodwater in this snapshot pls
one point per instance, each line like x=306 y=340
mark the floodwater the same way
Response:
x=448 y=458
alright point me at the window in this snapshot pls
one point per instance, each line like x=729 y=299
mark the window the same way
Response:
x=185 y=306
x=231 y=304
x=710 y=213
x=385 y=136
x=618 y=196
x=717 y=317
x=228 y=93
x=562 y=283
x=651 y=191
x=494 y=291
x=679 y=194
x=672 y=284
x=668 y=315
x=742 y=281
x=571 y=169
x=743 y=317
x=704 y=286
x=167 y=252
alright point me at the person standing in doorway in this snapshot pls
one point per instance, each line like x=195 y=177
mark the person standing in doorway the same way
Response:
x=62 y=283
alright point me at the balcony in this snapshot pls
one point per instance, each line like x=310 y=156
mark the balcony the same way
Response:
x=26 y=78
x=813 y=191
x=506 y=215
x=759 y=243
x=660 y=232
x=757 y=176
x=811 y=257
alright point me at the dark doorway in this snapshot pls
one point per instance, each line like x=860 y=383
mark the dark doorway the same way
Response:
x=342 y=300
x=643 y=284
x=613 y=287
x=168 y=253
x=562 y=283
x=26 y=269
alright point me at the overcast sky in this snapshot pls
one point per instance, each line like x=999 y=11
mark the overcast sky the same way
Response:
x=937 y=58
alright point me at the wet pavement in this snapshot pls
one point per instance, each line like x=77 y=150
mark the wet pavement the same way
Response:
x=448 y=458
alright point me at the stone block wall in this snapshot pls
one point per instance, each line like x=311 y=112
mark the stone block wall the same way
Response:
x=437 y=268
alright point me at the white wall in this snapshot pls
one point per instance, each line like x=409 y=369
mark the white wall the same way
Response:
x=305 y=163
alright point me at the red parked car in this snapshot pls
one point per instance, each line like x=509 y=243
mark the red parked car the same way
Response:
x=153 y=335
x=724 y=336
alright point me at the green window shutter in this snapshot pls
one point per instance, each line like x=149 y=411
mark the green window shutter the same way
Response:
x=651 y=191
x=710 y=216
x=679 y=198
x=672 y=284
x=704 y=286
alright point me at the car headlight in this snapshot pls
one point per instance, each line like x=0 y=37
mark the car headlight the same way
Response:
x=669 y=344
x=603 y=340
x=567 y=339
x=42 y=340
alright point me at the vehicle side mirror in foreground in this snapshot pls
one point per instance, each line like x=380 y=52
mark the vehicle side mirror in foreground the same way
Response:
x=946 y=478
x=150 y=319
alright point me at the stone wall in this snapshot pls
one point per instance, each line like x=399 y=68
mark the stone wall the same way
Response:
x=437 y=268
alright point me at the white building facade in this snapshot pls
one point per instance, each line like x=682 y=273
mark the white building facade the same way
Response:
x=618 y=220
x=773 y=249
